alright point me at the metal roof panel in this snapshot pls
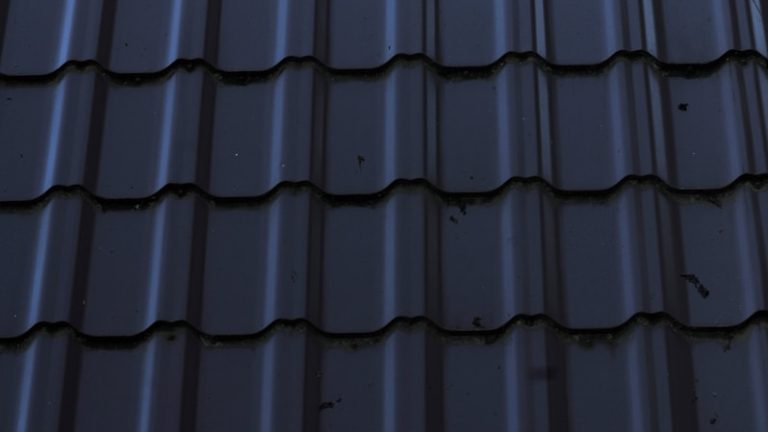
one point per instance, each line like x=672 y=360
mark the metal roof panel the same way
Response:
x=528 y=378
x=358 y=134
x=38 y=38
x=235 y=267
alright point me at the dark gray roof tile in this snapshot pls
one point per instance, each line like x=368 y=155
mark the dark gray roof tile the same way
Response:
x=148 y=35
x=234 y=268
x=358 y=134
x=530 y=378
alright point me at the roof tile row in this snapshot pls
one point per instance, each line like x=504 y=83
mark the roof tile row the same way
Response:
x=356 y=135
x=235 y=268
x=531 y=378
x=148 y=35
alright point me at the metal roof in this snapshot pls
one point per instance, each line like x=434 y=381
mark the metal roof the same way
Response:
x=383 y=215
x=149 y=35
x=357 y=134
x=410 y=378
x=113 y=269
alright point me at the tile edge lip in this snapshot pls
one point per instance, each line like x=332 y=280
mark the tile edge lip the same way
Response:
x=721 y=332
x=757 y=181
x=453 y=71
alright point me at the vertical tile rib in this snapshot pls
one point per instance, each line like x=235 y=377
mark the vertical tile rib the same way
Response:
x=40 y=268
x=431 y=118
x=195 y=299
x=156 y=265
x=517 y=408
x=653 y=26
x=751 y=134
x=391 y=394
x=55 y=137
x=620 y=122
x=434 y=383
x=273 y=246
x=546 y=138
x=281 y=31
x=684 y=402
x=268 y=388
x=84 y=248
x=147 y=401
x=317 y=248
x=67 y=26
x=656 y=122
x=194 y=315
x=313 y=384
x=317 y=225
x=550 y=242
x=278 y=143
x=433 y=227
x=391 y=28
x=630 y=247
x=157 y=254
x=70 y=389
x=170 y=107
x=390 y=159
x=508 y=263
x=430 y=30
x=637 y=388
x=320 y=97
x=391 y=271
x=504 y=120
x=559 y=391
x=736 y=123
x=541 y=43
x=190 y=388
x=5 y=7
x=27 y=386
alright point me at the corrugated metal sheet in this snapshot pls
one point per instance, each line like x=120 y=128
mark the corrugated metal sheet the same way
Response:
x=355 y=267
x=358 y=134
x=148 y=35
x=411 y=379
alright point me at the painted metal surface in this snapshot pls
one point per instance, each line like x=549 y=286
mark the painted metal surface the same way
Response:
x=235 y=267
x=528 y=378
x=148 y=35
x=456 y=239
x=358 y=134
